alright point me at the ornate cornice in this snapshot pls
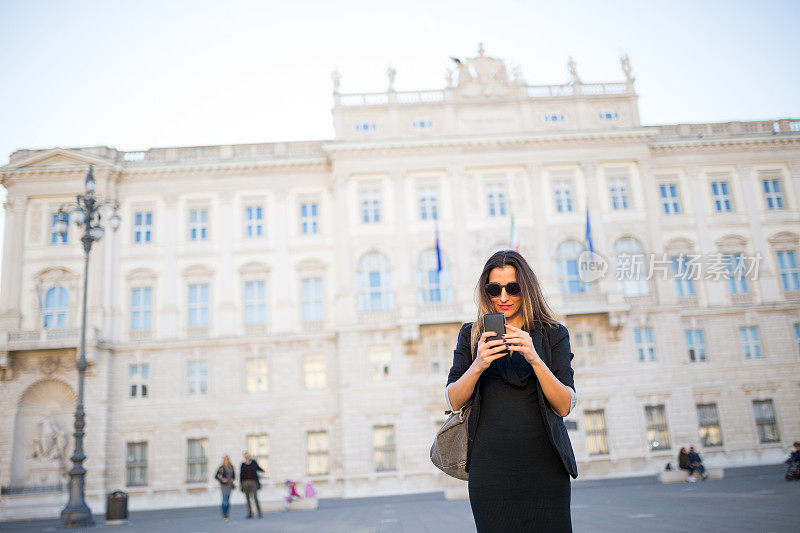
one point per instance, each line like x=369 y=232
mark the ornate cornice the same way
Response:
x=706 y=144
x=500 y=141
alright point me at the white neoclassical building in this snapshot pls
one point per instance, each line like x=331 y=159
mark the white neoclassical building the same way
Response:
x=286 y=298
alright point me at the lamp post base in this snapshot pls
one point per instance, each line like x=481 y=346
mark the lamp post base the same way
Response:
x=78 y=516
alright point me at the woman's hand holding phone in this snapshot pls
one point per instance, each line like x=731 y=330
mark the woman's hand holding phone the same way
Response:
x=520 y=341
x=488 y=351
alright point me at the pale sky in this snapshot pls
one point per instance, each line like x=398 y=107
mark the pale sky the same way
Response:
x=140 y=74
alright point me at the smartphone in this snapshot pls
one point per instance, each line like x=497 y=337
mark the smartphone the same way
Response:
x=495 y=322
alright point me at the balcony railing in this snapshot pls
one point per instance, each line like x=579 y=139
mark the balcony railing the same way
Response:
x=441 y=95
x=24 y=490
x=438 y=312
x=257 y=329
x=718 y=129
x=43 y=338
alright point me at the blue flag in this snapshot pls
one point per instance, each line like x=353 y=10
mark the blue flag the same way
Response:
x=438 y=251
x=588 y=238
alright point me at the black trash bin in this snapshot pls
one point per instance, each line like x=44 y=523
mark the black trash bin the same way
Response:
x=116 y=507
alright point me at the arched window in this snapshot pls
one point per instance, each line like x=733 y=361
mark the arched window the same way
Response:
x=630 y=268
x=434 y=286
x=567 y=268
x=56 y=304
x=374 y=283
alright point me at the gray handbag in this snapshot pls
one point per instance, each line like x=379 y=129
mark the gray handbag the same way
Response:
x=449 y=450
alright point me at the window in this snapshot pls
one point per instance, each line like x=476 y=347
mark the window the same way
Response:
x=554 y=117
x=695 y=344
x=566 y=260
x=136 y=464
x=253 y=221
x=797 y=336
x=682 y=276
x=751 y=347
x=596 y=433
x=383 y=446
x=365 y=126
x=736 y=272
x=435 y=286
x=56 y=306
x=142 y=226
x=56 y=237
x=141 y=308
x=428 y=203
x=439 y=355
x=257 y=374
x=312 y=299
x=765 y=421
x=657 y=430
x=258 y=447
x=375 y=284
x=309 y=218
x=197 y=377
x=255 y=302
x=370 y=206
x=197 y=461
x=773 y=194
x=422 y=124
x=618 y=191
x=496 y=199
x=708 y=419
x=314 y=371
x=138 y=379
x=721 y=197
x=608 y=115
x=379 y=361
x=563 y=194
x=317 y=453
x=645 y=347
x=198 y=306
x=583 y=346
x=630 y=269
x=198 y=224
x=669 y=198
x=790 y=275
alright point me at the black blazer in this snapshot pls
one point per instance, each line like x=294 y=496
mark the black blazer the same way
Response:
x=552 y=345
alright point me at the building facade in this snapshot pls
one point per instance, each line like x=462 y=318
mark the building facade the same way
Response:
x=287 y=298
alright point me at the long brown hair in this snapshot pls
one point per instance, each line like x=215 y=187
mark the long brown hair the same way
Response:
x=534 y=307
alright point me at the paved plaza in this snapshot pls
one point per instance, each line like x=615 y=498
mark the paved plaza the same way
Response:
x=748 y=499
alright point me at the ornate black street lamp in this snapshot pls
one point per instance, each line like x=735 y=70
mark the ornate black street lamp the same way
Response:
x=84 y=213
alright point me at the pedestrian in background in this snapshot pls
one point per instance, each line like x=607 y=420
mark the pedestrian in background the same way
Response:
x=226 y=474
x=696 y=463
x=248 y=475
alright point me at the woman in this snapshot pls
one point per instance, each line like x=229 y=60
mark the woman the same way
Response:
x=225 y=475
x=683 y=463
x=519 y=456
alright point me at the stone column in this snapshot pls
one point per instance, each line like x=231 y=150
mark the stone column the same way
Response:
x=167 y=321
x=286 y=297
x=11 y=279
x=404 y=288
x=767 y=281
x=225 y=290
x=345 y=297
x=794 y=178
x=713 y=292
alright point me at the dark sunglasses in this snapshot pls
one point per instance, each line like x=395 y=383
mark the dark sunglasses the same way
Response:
x=495 y=289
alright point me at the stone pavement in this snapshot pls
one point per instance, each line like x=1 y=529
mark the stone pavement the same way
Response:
x=752 y=499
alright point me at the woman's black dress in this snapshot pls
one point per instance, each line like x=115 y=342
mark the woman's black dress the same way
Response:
x=516 y=480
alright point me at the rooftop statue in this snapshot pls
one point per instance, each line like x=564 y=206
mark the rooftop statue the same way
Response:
x=626 y=67
x=573 y=72
x=484 y=76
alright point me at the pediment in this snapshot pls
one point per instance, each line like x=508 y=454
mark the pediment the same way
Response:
x=58 y=157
